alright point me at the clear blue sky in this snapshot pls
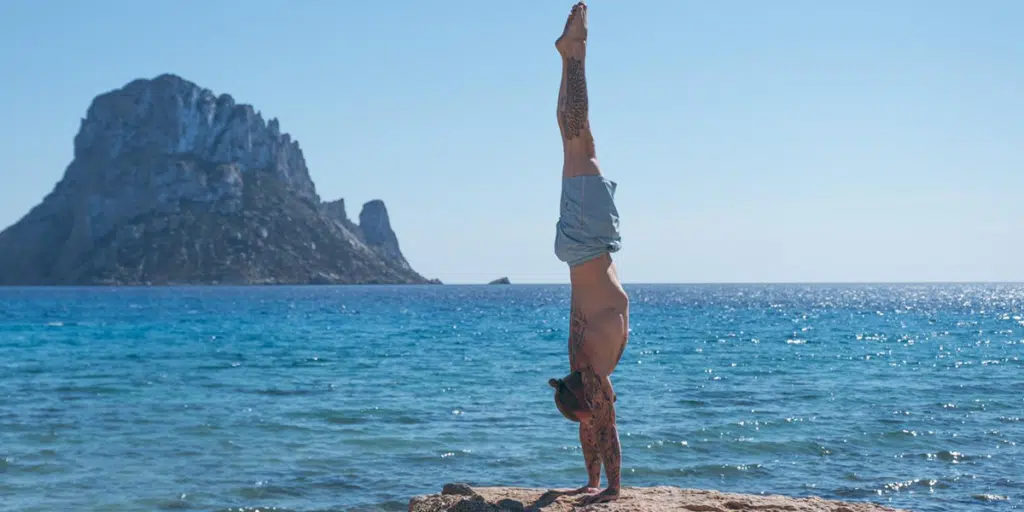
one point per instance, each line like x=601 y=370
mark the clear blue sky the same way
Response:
x=752 y=141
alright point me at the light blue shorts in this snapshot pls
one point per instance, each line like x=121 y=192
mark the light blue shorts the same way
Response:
x=588 y=222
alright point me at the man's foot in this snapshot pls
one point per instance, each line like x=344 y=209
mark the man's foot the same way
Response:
x=586 y=489
x=604 y=496
x=574 y=37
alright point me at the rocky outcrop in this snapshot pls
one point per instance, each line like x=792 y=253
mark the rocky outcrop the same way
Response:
x=173 y=184
x=374 y=230
x=501 y=280
x=376 y=227
x=462 y=498
x=335 y=210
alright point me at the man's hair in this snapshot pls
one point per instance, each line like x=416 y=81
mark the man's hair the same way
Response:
x=569 y=397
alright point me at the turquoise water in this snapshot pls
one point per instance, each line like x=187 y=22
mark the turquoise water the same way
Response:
x=356 y=398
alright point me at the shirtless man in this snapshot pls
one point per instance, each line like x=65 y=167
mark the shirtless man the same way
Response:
x=587 y=234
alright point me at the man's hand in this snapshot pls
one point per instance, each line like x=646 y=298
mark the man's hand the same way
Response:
x=586 y=489
x=609 y=494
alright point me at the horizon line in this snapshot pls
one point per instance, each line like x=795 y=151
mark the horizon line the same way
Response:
x=485 y=284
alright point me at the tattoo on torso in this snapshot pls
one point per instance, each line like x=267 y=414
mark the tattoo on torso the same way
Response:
x=577 y=332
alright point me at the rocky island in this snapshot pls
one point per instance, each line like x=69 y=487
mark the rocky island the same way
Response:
x=463 y=498
x=501 y=280
x=172 y=184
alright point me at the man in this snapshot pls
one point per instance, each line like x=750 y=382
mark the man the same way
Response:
x=587 y=234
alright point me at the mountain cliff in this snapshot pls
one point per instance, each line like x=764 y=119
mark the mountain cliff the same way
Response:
x=173 y=184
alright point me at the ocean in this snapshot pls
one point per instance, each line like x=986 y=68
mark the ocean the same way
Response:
x=358 y=398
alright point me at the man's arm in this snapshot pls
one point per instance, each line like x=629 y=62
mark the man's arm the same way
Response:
x=591 y=456
x=599 y=396
x=588 y=436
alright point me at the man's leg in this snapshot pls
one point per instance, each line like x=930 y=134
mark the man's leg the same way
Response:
x=586 y=246
x=580 y=157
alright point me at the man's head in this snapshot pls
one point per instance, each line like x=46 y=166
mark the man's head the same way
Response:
x=569 y=397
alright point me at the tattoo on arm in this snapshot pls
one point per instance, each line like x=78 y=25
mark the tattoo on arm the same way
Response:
x=591 y=454
x=575 y=104
x=600 y=400
x=594 y=447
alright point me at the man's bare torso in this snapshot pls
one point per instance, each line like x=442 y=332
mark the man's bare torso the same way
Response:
x=599 y=327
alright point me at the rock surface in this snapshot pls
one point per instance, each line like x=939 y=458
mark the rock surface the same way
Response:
x=501 y=280
x=463 y=498
x=171 y=184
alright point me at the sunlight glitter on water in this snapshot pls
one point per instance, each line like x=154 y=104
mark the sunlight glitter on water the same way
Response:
x=326 y=398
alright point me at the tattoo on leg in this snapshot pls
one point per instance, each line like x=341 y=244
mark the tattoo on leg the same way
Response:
x=600 y=400
x=574 y=103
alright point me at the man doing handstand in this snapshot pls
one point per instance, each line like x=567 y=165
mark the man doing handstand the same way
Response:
x=587 y=234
